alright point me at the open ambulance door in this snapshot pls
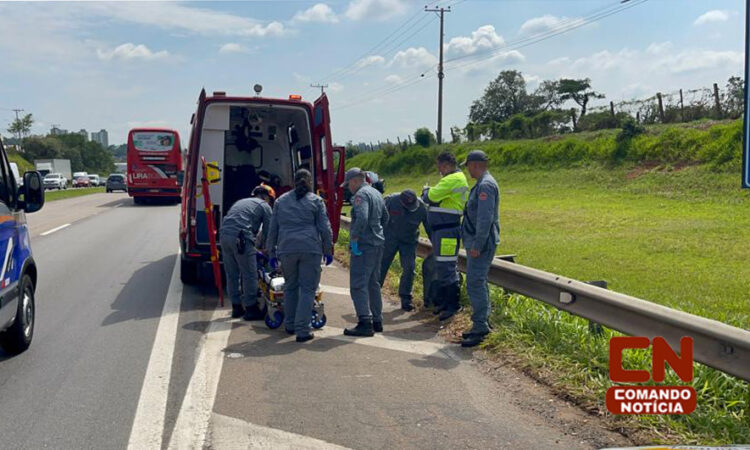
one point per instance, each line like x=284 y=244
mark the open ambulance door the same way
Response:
x=191 y=184
x=328 y=174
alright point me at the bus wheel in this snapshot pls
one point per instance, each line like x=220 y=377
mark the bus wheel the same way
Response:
x=137 y=200
x=188 y=271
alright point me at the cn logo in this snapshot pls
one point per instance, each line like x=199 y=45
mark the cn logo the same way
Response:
x=651 y=399
x=661 y=354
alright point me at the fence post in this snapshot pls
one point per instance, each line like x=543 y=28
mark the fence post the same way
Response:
x=638 y=116
x=717 y=99
x=409 y=136
x=371 y=147
x=612 y=109
x=682 y=107
x=661 y=106
x=596 y=328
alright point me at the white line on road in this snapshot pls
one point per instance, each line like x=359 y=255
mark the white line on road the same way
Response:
x=55 y=229
x=148 y=425
x=195 y=413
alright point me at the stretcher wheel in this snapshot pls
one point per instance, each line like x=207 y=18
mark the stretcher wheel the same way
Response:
x=274 y=320
x=318 y=321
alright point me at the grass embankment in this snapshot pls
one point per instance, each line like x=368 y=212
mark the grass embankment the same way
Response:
x=51 y=196
x=673 y=232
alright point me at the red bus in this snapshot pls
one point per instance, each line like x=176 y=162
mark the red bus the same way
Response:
x=154 y=164
x=253 y=140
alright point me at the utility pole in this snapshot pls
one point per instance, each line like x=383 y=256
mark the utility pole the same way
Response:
x=441 y=74
x=321 y=86
x=18 y=134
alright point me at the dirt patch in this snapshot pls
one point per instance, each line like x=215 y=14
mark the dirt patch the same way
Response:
x=655 y=166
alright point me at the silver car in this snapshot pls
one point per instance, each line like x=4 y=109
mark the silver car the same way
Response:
x=55 y=181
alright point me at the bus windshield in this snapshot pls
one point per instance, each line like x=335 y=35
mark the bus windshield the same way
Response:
x=153 y=141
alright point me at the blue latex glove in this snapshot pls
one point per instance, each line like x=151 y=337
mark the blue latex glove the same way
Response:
x=328 y=259
x=354 y=245
x=274 y=263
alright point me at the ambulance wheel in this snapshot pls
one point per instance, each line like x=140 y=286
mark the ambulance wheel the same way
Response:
x=188 y=271
x=17 y=338
x=274 y=320
x=318 y=321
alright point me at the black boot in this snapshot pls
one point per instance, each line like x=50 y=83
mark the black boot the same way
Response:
x=364 y=328
x=237 y=311
x=452 y=298
x=406 y=304
x=473 y=339
x=305 y=337
x=253 y=313
x=377 y=326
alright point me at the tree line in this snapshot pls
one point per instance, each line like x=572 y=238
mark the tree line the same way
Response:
x=84 y=155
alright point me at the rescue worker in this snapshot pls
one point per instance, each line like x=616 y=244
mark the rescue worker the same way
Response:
x=405 y=211
x=300 y=236
x=366 y=240
x=446 y=203
x=481 y=234
x=239 y=230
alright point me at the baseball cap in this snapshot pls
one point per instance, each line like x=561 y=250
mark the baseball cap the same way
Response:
x=352 y=173
x=476 y=155
x=409 y=199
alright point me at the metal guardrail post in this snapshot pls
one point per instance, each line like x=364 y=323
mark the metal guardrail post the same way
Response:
x=715 y=344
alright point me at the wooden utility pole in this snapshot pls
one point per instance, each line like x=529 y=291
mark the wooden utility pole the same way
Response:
x=321 y=86
x=717 y=99
x=661 y=106
x=441 y=74
x=682 y=107
x=612 y=108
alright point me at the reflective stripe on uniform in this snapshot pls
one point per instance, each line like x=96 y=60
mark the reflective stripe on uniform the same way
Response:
x=438 y=209
x=446 y=258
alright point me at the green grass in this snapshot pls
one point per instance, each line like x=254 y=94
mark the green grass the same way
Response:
x=51 y=196
x=673 y=235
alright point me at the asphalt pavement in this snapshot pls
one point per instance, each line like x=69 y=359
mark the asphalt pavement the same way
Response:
x=125 y=356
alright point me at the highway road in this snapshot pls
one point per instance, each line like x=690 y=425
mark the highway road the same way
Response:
x=125 y=356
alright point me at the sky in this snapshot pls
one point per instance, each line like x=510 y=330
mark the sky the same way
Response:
x=118 y=65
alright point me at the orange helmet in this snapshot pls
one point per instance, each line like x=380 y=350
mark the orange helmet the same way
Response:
x=263 y=188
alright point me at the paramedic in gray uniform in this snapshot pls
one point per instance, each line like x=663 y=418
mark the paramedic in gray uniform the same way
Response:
x=366 y=241
x=405 y=212
x=481 y=233
x=300 y=237
x=237 y=238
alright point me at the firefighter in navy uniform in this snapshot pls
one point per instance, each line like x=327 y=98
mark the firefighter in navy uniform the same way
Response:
x=366 y=240
x=446 y=202
x=405 y=211
x=238 y=237
x=481 y=234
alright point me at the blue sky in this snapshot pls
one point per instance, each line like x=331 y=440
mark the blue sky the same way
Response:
x=117 y=65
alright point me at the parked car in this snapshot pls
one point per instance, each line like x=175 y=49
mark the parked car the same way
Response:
x=19 y=275
x=95 y=180
x=55 y=181
x=374 y=180
x=116 y=182
x=81 y=181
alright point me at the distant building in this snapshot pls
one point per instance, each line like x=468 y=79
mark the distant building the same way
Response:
x=121 y=167
x=102 y=137
x=55 y=131
x=84 y=133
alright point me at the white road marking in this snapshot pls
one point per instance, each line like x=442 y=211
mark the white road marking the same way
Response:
x=148 y=425
x=117 y=205
x=55 y=229
x=195 y=413
x=232 y=433
x=334 y=290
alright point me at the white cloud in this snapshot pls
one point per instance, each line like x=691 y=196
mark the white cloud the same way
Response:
x=375 y=9
x=712 y=16
x=414 y=57
x=335 y=87
x=317 y=13
x=501 y=60
x=369 y=61
x=176 y=16
x=131 y=52
x=394 y=79
x=548 y=22
x=658 y=48
x=484 y=38
x=301 y=78
x=559 y=61
x=695 y=60
x=233 y=47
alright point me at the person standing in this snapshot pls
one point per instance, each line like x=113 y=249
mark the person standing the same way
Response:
x=237 y=238
x=366 y=240
x=481 y=235
x=405 y=211
x=446 y=202
x=299 y=237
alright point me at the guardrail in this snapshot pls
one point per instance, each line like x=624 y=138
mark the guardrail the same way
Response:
x=715 y=344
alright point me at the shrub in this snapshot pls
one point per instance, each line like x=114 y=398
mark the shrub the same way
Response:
x=424 y=137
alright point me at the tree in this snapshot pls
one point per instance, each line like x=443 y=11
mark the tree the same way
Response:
x=456 y=135
x=547 y=95
x=21 y=126
x=579 y=91
x=734 y=98
x=505 y=96
x=424 y=137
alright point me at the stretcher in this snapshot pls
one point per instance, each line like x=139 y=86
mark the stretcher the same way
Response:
x=271 y=294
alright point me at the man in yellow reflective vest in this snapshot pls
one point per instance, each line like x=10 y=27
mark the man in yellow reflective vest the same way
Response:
x=446 y=203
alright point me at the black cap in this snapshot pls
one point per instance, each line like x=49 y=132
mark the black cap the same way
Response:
x=476 y=155
x=352 y=173
x=409 y=199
